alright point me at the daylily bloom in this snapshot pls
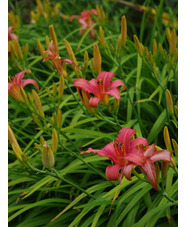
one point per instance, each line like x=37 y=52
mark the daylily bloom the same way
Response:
x=123 y=151
x=11 y=35
x=85 y=19
x=56 y=60
x=127 y=152
x=101 y=87
x=14 y=87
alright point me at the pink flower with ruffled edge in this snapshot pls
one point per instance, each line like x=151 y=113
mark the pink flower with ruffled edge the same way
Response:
x=127 y=152
x=102 y=88
x=11 y=35
x=85 y=19
x=14 y=87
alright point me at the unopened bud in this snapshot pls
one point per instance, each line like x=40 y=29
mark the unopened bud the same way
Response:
x=164 y=169
x=17 y=49
x=47 y=156
x=41 y=49
x=118 y=46
x=40 y=7
x=53 y=37
x=38 y=103
x=54 y=89
x=97 y=59
x=36 y=119
x=154 y=48
x=61 y=86
x=161 y=49
x=123 y=31
x=17 y=151
x=47 y=42
x=169 y=102
x=172 y=163
x=101 y=36
x=54 y=141
x=175 y=146
x=42 y=140
x=167 y=139
x=139 y=46
x=24 y=95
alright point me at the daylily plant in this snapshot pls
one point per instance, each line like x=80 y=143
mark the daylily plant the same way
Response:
x=14 y=87
x=85 y=19
x=56 y=60
x=11 y=35
x=102 y=88
x=127 y=152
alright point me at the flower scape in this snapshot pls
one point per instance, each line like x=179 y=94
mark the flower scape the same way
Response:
x=93 y=113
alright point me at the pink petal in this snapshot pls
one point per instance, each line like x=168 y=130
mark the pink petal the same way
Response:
x=13 y=36
x=116 y=83
x=30 y=81
x=106 y=78
x=114 y=92
x=72 y=17
x=49 y=57
x=150 y=151
x=112 y=172
x=139 y=141
x=135 y=156
x=52 y=48
x=107 y=151
x=19 y=76
x=69 y=61
x=150 y=172
x=127 y=170
x=124 y=137
x=94 y=101
x=161 y=155
x=10 y=85
x=94 y=11
x=84 y=84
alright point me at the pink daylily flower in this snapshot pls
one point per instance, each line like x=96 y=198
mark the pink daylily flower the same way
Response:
x=14 y=87
x=123 y=152
x=127 y=152
x=56 y=60
x=85 y=19
x=11 y=35
x=102 y=88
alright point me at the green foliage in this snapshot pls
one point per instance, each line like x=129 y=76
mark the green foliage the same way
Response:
x=79 y=194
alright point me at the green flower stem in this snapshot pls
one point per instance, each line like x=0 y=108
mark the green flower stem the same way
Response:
x=56 y=175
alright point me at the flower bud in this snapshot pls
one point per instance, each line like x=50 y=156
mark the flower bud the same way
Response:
x=17 y=49
x=61 y=87
x=24 y=95
x=41 y=49
x=42 y=140
x=123 y=31
x=154 y=48
x=53 y=37
x=97 y=59
x=38 y=103
x=169 y=102
x=54 y=141
x=47 y=156
x=175 y=146
x=47 y=42
x=101 y=36
x=139 y=46
x=167 y=139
